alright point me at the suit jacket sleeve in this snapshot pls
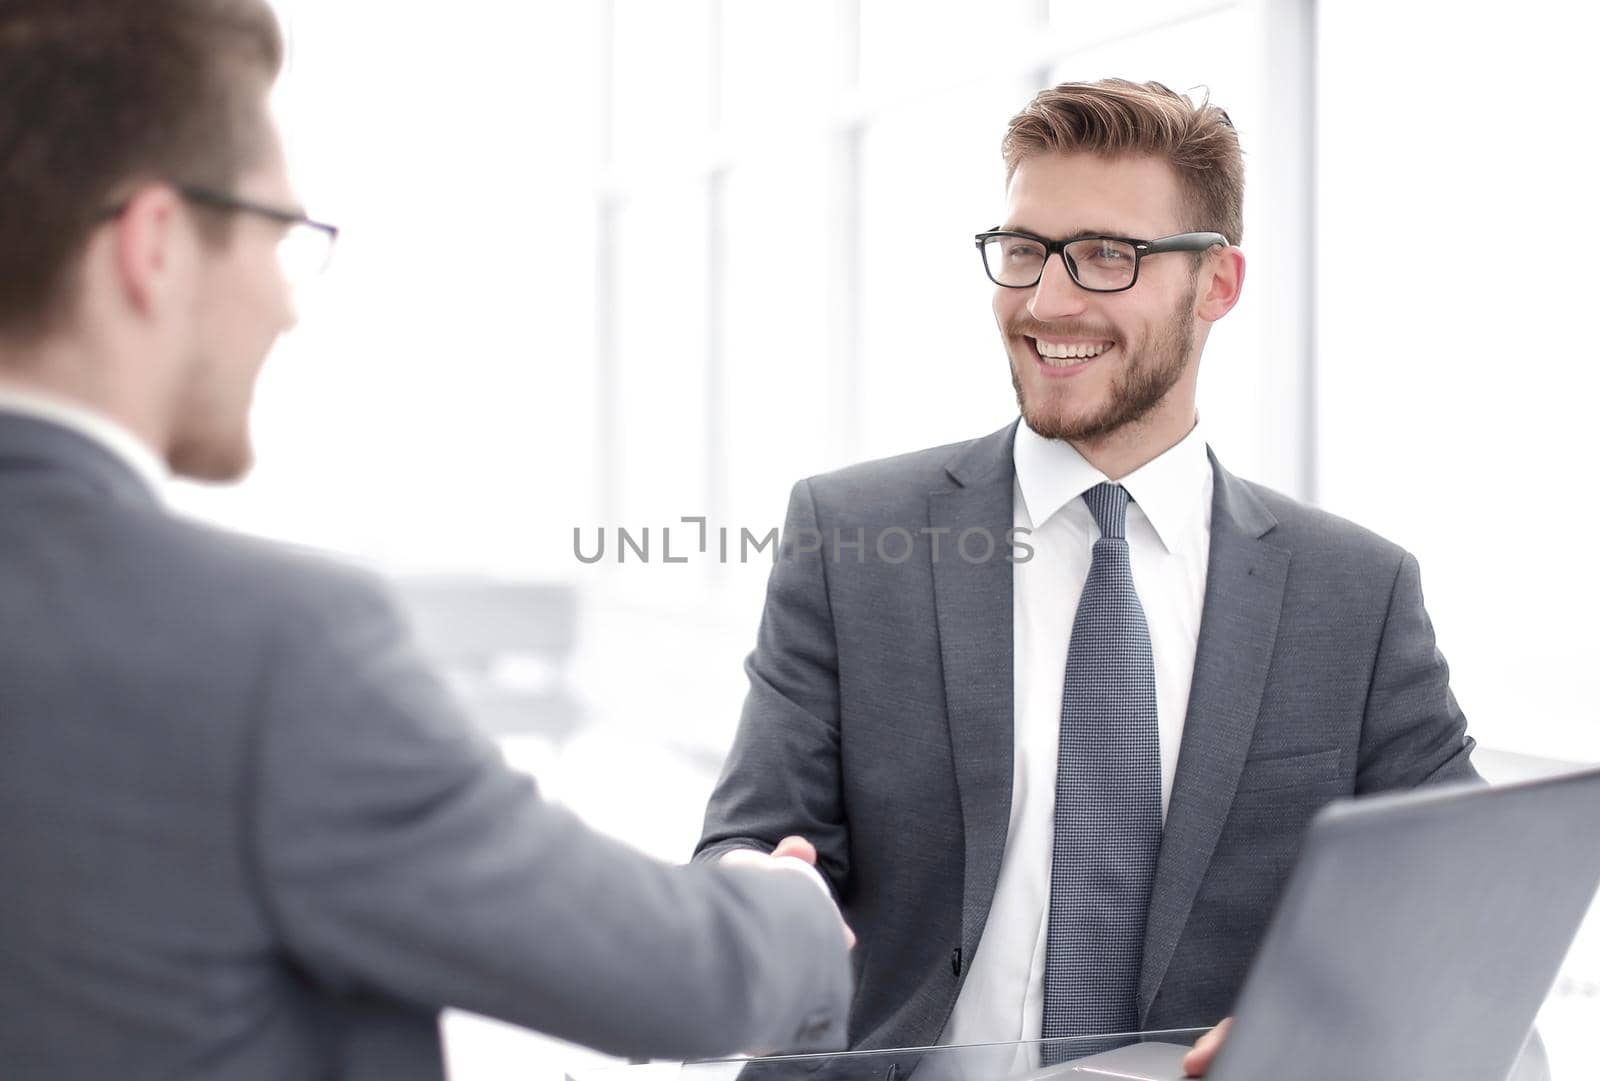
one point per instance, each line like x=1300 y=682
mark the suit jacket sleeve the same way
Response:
x=1413 y=732
x=398 y=854
x=783 y=775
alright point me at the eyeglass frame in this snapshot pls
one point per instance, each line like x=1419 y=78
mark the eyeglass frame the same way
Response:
x=1200 y=241
x=220 y=200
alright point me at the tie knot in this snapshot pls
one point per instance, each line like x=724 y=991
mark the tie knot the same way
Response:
x=1109 y=505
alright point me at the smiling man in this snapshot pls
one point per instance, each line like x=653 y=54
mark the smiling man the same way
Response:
x=1058 y=790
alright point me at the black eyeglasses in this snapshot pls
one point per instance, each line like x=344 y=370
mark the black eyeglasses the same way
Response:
x=305 y=248
x=1100 y=264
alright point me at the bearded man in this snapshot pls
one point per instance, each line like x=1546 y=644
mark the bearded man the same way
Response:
x=1054 y=706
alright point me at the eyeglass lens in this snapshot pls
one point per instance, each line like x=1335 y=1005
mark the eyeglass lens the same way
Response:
x=303 y=253
x=1094 y=263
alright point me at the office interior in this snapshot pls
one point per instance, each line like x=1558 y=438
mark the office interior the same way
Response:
x=636 y=266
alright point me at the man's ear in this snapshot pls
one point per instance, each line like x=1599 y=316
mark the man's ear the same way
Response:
x=152 y=246
x=1221 y=279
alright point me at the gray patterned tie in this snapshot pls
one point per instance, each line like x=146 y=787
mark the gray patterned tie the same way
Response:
x=1108 y=797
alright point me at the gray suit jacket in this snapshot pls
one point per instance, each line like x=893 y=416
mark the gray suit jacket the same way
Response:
x=244 y=833
x=879 y=724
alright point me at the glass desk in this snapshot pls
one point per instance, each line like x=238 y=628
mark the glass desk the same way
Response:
x=1132 y=1057
x=1021 y=1061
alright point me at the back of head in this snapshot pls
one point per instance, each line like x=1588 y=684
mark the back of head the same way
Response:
x=98 y=96
x=1118 y=118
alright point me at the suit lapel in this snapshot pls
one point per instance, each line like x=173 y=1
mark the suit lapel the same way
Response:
x=1238 y=628
x=972 y=604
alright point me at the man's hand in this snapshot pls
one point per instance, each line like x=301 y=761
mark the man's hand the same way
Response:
x=798 y=847
x=792 y=853
x=1198 y=1060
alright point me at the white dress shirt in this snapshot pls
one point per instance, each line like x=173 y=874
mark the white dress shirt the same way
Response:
x=101 y=429
x=1169 y=535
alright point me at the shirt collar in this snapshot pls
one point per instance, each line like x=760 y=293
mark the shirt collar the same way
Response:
x=97 y=427
x=1171 y=489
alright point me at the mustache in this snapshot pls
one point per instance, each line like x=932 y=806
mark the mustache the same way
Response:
x=1027 y=325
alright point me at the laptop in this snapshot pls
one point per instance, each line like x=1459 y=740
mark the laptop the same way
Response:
x=1416 y=940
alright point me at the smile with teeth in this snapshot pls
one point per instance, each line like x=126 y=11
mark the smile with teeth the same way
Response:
x=1065 y=354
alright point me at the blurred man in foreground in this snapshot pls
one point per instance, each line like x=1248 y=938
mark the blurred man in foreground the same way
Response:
x=245 y=832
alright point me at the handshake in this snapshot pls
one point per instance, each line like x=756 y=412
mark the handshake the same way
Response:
x=795 y=855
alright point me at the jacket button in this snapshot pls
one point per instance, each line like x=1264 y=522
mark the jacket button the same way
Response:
x=955 y=961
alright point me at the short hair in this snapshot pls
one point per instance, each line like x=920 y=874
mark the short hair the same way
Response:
x=96 y=95
x=1119 y=118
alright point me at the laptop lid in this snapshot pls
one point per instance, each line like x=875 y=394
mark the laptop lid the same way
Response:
x=1419 y=934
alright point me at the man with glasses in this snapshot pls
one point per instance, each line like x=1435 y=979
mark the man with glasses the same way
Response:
x=244 y=833
x=1055 y=757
